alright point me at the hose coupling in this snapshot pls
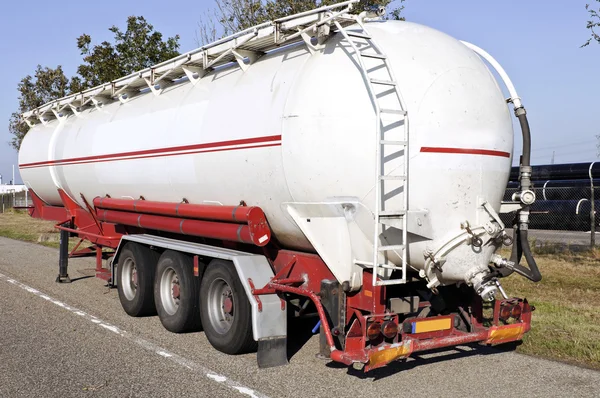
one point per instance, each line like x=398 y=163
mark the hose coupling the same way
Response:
x=500 y=262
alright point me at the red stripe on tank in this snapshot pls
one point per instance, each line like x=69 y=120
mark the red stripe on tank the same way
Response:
x=466 y=151
x=247 y=143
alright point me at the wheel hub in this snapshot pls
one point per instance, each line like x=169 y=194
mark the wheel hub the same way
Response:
x=221 y=306
x=228 y=305
x=170 y=291
x=175 y=289
x=134 y=278
x=129 y=278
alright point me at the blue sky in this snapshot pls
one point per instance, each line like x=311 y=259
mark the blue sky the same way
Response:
x=536 y=41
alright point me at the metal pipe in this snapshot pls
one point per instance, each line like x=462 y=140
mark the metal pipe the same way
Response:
x=207 y=229
x=236 y=214
x=516 y=100
x=317 y=10
x=592 y=210
x=271 y=287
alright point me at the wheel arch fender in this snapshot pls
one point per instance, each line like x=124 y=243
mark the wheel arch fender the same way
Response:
x=269 y=320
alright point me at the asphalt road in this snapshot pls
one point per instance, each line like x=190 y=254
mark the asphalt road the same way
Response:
x=75 y=340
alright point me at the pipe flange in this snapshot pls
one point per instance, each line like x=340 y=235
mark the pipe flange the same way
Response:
x=527 y=197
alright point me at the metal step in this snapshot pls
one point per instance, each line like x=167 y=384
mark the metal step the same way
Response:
x=392 y=213
x=390 y=247
x=376 y=56
x=392 y=267
x=358 y=35
x=393 y=111
x=367 y=264
x=396 y=178
x=392 y=142
x=383 y=82
x=391 y=282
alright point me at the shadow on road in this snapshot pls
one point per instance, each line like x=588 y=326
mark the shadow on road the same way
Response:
x=300 y=332
x=81 y=277
x=427 y=358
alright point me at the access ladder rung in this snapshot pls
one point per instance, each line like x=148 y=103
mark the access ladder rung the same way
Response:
x=391 y=282
x=388 y=177
x=392 y=142
x=390 y=247
x=392 y=213
x=383 y=82
x=393 y=111
x=368 y=264
x=392 y=267
x=358 y=35
x=376 y=56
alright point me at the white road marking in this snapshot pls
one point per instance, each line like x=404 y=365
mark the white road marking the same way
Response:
x=218 y=378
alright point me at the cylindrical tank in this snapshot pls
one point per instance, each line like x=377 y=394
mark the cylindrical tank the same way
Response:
x=300 y=128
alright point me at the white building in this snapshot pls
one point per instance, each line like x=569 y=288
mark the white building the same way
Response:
x=6 y=188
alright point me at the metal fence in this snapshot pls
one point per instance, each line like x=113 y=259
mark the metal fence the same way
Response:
x=565 y=215
x=14 y=199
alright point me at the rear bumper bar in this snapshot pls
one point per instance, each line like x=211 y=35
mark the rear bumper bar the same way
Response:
x=383 y=354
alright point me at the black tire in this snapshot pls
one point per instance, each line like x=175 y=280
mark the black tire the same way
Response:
x=177 y=314
x=136 y=288
x=233 y=336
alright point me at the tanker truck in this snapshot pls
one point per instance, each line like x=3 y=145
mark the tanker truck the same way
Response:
x=326 y=162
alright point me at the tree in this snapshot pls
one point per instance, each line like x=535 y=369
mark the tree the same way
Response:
x=593 y=23
x=236 y=15
x=46 y=85
x=139 y=47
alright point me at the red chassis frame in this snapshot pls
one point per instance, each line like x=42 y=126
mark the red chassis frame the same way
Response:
x=106 y=220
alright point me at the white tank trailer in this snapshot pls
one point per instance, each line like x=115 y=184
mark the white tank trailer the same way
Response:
x=335 y=149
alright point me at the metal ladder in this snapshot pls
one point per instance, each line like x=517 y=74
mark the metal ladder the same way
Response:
x=393 y=116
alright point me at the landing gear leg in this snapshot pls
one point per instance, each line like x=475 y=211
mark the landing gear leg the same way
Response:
x=63 y=259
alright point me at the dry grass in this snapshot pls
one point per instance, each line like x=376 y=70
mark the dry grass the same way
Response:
x=566 y=323
x=16 y=224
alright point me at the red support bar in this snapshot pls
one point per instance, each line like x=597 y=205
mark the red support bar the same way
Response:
x=87 y=234
x=288 y=281
x=449 y=341
x=44 y=211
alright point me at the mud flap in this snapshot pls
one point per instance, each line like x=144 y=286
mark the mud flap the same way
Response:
x=272 y=352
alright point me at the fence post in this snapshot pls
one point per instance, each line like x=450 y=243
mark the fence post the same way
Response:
x=592 y=211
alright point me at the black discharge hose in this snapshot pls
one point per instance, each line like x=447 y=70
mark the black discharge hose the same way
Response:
x=521 y=223
x=522 y=116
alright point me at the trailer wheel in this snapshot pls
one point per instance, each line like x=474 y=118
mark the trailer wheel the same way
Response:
x=225 y=310
x=135 y=277
x=176 y=293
